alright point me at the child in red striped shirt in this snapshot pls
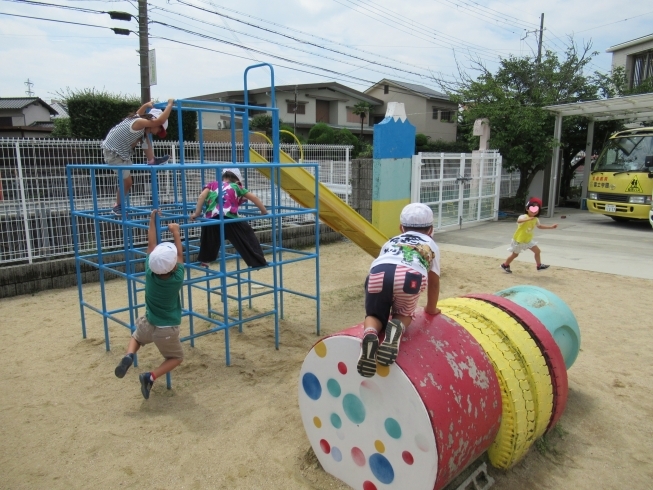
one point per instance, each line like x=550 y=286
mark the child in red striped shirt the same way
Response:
x=406 y=265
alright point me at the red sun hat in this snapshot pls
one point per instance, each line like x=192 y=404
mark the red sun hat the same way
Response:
x=534 y=201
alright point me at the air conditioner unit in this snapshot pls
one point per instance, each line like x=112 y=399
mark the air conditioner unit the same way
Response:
x=221 y=125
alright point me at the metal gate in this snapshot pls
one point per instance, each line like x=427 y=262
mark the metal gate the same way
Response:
x=459 y=187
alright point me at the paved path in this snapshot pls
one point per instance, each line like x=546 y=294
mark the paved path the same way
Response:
x=582 y=241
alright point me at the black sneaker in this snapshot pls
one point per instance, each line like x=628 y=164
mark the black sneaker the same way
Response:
x=389 y=348
x=541 y=267
x=117 y=210
x=124 y=365
x=506 y=268
x=367 y=360
x=160 y=160
x=146 y=384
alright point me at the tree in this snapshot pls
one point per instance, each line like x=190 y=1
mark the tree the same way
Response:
x=61 y=128
x=361 y=109
x=513 y=99
x=321 y=134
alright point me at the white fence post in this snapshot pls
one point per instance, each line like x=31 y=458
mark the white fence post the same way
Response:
x=416 y=178
x=347 y=176
x=23 y=201
x=497 y=196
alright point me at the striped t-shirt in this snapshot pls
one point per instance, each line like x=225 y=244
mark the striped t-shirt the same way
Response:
x=122 y=138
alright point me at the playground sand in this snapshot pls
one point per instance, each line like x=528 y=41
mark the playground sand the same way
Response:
x=67 y=422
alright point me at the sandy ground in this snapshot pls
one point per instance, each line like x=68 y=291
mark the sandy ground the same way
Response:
x=67 y=422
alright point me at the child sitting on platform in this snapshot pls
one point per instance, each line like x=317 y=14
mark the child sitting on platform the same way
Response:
x=407 y=263
x=240 y=234
x=164 y=276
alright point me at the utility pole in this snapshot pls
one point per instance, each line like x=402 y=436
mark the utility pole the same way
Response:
x=29 y=84
x=539 y=44
x=144 y=51
x=294 y=128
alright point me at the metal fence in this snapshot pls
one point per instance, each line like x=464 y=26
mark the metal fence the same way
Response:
x=459 y=187
x=509 y=184
x=34 y=204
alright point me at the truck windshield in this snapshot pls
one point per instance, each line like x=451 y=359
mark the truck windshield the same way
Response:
x=625 y=154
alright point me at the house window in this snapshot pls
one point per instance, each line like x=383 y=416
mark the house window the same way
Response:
x=386 y=89
x=6 y=121
x=642 y=67
x=353 y=118
x=301 y=108
x=447 y=116
x=435 y=113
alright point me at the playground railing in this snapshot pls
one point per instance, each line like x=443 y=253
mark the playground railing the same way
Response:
x=34 y=205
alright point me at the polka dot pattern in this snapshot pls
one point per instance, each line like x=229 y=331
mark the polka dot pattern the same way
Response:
x=324 y=445
x=334 y=388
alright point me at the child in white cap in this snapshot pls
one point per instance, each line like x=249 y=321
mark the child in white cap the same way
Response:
x=240 y=234
x=164 y=276
x=123 y=137
x=406 y=264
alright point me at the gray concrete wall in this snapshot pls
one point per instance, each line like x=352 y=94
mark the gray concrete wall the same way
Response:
x=53 y=274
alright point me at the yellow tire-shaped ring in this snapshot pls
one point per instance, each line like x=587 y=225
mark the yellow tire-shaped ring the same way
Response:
x=526 y=389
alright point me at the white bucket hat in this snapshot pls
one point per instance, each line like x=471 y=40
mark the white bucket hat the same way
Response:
x=416 y=215
x=163 y=258
x=157 y=113
x=234 y=171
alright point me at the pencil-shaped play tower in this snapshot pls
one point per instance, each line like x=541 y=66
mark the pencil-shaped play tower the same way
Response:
x=485 y=375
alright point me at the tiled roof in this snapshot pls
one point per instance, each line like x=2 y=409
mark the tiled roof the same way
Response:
x=421 y=89
x=21 y=102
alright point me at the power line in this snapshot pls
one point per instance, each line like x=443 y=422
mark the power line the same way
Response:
x=394 y=16
x=298 y=39
x=323 y=40
x=357 y=67
x=393 y=23
x=615 y=22
x=116 y=30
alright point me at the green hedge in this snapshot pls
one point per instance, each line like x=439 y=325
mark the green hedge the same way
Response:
x=93 y=114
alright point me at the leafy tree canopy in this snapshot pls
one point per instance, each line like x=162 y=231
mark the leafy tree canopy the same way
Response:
x=513 y=99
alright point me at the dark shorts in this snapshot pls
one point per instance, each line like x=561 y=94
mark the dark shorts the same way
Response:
x=391 y=287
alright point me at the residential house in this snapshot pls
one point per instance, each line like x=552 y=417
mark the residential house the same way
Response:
x=25 y=117
x=300 y=106
x=430 y=111
x=636 y=56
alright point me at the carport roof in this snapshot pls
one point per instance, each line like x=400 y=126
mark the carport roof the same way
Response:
x=631 y=107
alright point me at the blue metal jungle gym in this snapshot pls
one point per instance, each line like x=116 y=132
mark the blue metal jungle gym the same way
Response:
x=208 y=293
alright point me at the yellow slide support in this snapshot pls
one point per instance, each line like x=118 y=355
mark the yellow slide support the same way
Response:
x=300 y=185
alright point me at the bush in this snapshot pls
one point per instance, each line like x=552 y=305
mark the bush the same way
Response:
x=94 y=113
x=188 y=126
x=321 y=134
x=347 y=138
x=421 y=139
x=61 y=128
x=285 y=137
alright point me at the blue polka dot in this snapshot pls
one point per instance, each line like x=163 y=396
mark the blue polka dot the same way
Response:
x=393 y=428
x=354 y=408
x=335 y=420
x=381 y=468
x=337 y=455
x=334 y=388
x=311 y=386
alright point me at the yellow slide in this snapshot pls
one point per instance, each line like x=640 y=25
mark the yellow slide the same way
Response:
x=300 y=185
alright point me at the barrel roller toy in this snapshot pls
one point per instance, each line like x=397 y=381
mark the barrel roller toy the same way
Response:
x=486 y=374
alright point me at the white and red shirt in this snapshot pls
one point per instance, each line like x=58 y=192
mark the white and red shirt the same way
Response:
x=412 y=249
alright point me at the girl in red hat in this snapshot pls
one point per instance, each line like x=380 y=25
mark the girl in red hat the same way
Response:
x=523 y=237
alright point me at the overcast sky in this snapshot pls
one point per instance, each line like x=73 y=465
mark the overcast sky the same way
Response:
x=417 y=41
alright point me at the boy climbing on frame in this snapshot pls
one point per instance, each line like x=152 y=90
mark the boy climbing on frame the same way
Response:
x=407 y=263
x=164 y=276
